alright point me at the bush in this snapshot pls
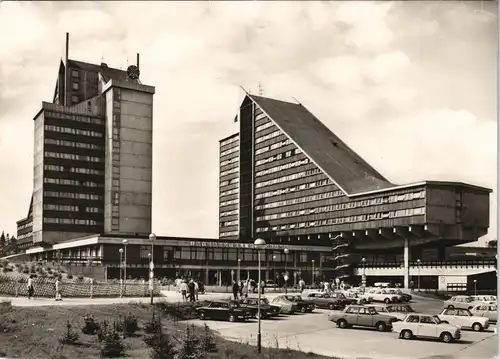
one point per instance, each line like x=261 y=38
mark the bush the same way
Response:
x=112 y=345
x=153 y=324
x=160 y=345
x=91 y=327
x=70 y=337
x=5 y=306
x=208 y=342
x=180 y=311
x=69 y=276
x=191 y=347
x=130 y=325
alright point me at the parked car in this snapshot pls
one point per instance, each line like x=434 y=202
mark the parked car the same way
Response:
x=225 y=310
x=461 y=301
x=328 y=300
x=399 y=311
x=426 y=326
x=266 y=309
x=485 y=310
x=490 y=299
x=304 y=306
x=362 y=316
x=286 y=306
x=405 y=296
x=381 y=295
x=353 y=295
x=464 y=319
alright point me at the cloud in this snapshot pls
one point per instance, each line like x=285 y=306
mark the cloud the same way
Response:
x=409 y=85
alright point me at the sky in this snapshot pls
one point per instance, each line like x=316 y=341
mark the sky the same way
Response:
x=410 y=86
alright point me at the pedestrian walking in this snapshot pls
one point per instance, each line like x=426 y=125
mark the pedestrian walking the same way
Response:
x=302 y=285
x=58 y=290
x=236 y=289
x=183 y=288
x=191 y=291
x=31 y=290
x=196 y=290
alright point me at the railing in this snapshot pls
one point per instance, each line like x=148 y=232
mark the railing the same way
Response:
x=337 y=247
x=425 y=264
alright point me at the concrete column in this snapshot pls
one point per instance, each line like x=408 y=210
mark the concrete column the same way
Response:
x=406 y=254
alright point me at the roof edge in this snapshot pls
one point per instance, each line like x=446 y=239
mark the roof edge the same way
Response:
x=228 y=137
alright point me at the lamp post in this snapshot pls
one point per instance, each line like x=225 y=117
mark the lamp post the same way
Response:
x=475 y=286
x=363 y=277
x=125 y=242
x=121 y=262
x=418 y=274
x=260 y=245
x=152 y=238
x=274 y=271
x=239 y=270
x=313 y=273
x=286 y=270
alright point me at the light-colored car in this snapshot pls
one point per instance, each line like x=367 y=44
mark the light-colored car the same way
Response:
x=399 y=311
x=381 y=295
x=426 y=326
x=464 y=319
x=286 y=306
x=460 y=301
x=362 y=316
x=404 y=296
x=353 y=295
x=485 y=310
x=490 y=299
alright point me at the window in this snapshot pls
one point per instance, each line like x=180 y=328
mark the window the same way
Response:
x=75 y=99
x=217 y=254
x=353 y=310
x=229 y=140
x=75 y=74
x=186 y=253
x=200 y=254
x=426 y=320
x=89 y=146
x=145 y=250
x=232 y=254
x=412 y=319
x=73 y=131
x=75 y=85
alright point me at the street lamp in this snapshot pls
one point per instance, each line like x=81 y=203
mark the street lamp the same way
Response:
x=313 y=272
x=152 y=238
x=239 y=270
x=274 y=270
x=260 y=245
x=121 y=262
x=363 y=277
x=286 y=271
x=418 y=274
x=125 y=242
x=475 y=286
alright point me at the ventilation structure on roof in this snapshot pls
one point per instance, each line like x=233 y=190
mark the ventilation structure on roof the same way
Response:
x=335 y=144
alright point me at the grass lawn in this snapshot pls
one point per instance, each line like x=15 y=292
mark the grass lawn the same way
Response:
x=34 y=332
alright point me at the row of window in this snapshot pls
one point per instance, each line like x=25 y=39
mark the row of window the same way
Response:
x=229 y=213
x=231 y=160
x=279 y=156
x=229 y=192
x=88 y=171
x=72 y=156
x=227 y=203
x=273 y=146
x=86 y=222
x=231 y=181
x=289 y=189
x=232 y=170
x=225 y=254
x=336 y=207
x=68 y=208
x=231 y=150
x=230 y=140
x=90 y=196
x=228 y=234
x=69 y=182
x=268 y=136
x=348 y=219
x=291 y=177
x=229 y=223
x=84 y=119
x=264 y=126
x=286 y=166
x=73 y=131
x=348 y=205
x=90 y=146
x=26 y=225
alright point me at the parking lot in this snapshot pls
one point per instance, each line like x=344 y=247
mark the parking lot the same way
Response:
x=315 y=333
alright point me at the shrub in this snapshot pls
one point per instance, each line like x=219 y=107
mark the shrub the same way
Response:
x=180 y=311
x=70 y=337
x=161 y=347
x=112 y=345
x=5 y=306
x=130 y=325
x=69 y=276
x=191 y=347
x=26 y=271
x=208 y=341
x=91 y=327
x=152 y=325
x=80 y=277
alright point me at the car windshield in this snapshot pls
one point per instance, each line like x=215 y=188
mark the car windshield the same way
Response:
x=264 y=301
x=436 y=319
x=468 y=299
x=234 y=305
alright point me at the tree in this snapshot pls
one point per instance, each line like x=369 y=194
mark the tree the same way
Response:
x=2 y=240
x=492 y=244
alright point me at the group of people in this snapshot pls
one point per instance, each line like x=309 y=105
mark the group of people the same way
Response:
x=31 y=289
x=189 y=289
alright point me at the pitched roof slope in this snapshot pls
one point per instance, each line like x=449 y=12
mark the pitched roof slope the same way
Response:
x=107 y=72
x=344 y=166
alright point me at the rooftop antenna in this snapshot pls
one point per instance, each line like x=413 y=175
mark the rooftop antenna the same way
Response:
x=261 y=91
x=137 y=61
x=241 y=87
x=297 y=101
x=66 y=73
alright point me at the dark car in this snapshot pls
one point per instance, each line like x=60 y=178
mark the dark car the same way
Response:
x=344 y=301
x=305 y=306
x=266 y=309
x=225 y=310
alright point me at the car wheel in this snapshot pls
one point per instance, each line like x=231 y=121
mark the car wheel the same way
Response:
x=406 y=334
x=342 y=324
x=202 y=316
x=303 y=309
x=387 y=300
x=381 y=327
x=446 y=337
x=331 y=306
x=261 y=315
x=450 y=306
x=232 y=318
x=477 y=327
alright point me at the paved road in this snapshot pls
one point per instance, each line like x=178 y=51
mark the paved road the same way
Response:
x=314 y=333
